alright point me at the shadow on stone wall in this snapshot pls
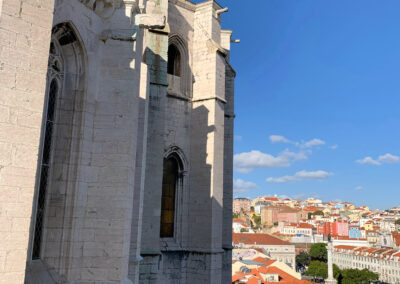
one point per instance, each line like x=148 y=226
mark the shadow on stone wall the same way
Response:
x=89 y=191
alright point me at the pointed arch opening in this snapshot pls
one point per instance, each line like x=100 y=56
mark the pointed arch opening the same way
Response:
x=64 y=90
x=172 y=190
x=178 y=67
x=174 y=61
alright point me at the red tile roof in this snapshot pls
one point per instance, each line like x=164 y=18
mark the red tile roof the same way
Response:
x=345 y=247
x=271 y=198
x=259 y=239
x=396 y=239
x=336 y=237
x=266 y=261
x=236 y=278
x=306 y=226
x=289 y=210
x=257 y=275
x=312 y=209
x=381 y=253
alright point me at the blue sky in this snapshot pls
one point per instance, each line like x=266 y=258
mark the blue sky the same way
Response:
x=323 y=77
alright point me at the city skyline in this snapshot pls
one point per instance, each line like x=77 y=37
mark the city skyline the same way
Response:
x=317 y=104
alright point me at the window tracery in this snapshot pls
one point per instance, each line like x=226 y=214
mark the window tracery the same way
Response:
x=54 y=76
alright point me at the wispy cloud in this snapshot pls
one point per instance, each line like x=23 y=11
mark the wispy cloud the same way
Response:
x=359 y=187
x=382 y=159
x=240 y=186
x=303 y=196
x=368 y=160
x=278 y=139
x=334 y=147
x=283 y=196
x=247 y=161
x=312 y=143
x=388 y=158
x=303 y=144
x=302 y=175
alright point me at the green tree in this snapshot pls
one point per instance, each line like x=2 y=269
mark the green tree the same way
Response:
x=318 y=252
x=235 y=215
x=244 y=230
x=257 y=219
x=337 y=273
x=397 y=222
x=317 y=269
x=303 y=259
x=320 y=213
x=351 y=276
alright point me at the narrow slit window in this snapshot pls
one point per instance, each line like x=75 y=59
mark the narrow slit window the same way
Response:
x=169 y=184
x=45 y=168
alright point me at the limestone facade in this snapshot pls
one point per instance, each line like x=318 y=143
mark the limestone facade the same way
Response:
x=97 y=97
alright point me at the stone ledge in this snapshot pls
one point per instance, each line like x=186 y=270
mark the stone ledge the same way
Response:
x=194 y=250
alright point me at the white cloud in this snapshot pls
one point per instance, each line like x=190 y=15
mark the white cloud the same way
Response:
x=240 y=186
x=359 y=187
x=333 y=147
x=247 y=161
x=388 y=158
x=308 y=144
x=312 y=143
x=382 y=159
x=283 y=179
x=278 y=139
x=301 y=175
x=312 y=175
x=368 y=160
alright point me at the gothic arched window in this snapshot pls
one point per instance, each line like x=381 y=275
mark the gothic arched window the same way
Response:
x=170 y=182
x=54 y=74
x=174 y=60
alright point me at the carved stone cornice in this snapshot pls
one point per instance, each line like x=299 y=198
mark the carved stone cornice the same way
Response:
x=139 y=18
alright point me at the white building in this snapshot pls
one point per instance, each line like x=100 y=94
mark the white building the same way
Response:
x=275 y=248
x=296 y=229
x=241 y=227
x=343 y=241
x=387 y=225
x=258 y=206
x=384 y=261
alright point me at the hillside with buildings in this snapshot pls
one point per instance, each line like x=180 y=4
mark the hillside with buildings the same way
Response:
x=282 y=228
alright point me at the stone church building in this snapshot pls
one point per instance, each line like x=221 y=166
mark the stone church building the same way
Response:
x=116 y=142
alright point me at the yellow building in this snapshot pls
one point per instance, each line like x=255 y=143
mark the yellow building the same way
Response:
x=369 y=226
